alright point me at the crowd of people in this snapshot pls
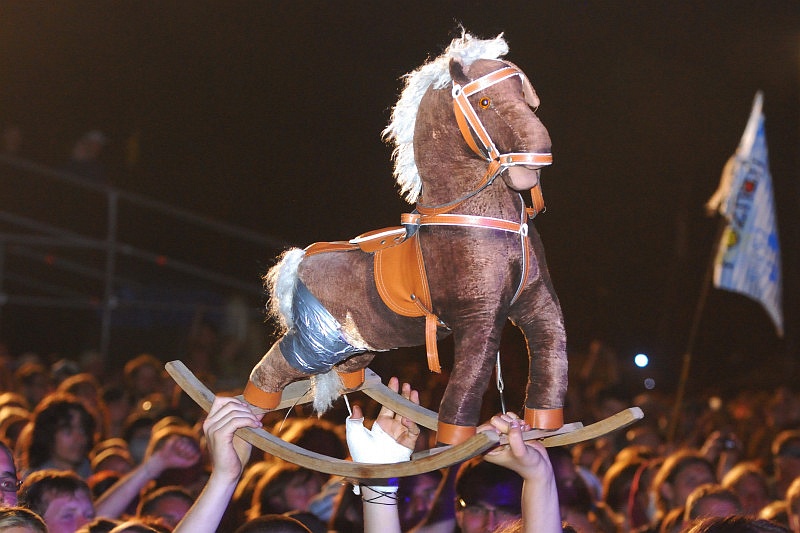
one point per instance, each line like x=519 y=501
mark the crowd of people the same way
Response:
x=83 y=451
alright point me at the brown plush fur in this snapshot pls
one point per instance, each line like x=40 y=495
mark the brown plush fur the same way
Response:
x=473 y=272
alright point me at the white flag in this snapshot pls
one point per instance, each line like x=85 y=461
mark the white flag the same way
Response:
x=748 y=260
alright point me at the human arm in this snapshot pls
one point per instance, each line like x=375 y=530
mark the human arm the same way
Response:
x=178 y=451
x=540 y=509
x=391 y=439
x=229 y=454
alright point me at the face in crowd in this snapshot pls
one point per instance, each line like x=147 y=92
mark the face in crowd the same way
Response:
x=9 y=485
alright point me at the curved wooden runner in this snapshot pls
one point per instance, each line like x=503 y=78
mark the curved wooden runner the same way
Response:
x=298 y=393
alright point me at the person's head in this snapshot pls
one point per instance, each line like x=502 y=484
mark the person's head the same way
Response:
x=316 y=435
x=84 y=386
x=285 y=487
x=416 y=496
x=169 y=503
x=114 y=458
x=62 y=369
x=136 y=432
x=617 y=484
x=62 y=432
x=21 y=520
x=487 y=495
x=786 y=459
x=142 y=376
x=12 y=420
x=273 y=523
x=61 y=498
x=749 y=484
x=14 y=399
x=734 y=524
x=711 y=500
x=776 y=511
x=136 y=526
x=100 y=482
x=117 y=405
x=98 y=525
x=9 y=484
x=793 y=504
x=34 y=381
x=681 y=473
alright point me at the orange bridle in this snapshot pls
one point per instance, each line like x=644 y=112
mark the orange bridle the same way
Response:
x=480 y=142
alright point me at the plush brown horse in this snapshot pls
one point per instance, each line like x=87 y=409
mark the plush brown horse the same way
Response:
x=467 y=143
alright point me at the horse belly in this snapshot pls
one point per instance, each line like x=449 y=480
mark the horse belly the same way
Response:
x=344 y=283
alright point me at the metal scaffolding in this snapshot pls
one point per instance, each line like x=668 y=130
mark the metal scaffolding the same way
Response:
x=83 y=253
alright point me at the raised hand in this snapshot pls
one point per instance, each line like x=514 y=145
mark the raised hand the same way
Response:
x=178 y=451
x=404 y=430
x=527 y=458
x=392 y=437
x=228 y=455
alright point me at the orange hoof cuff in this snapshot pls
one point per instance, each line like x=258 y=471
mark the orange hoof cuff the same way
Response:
x=261 y=399
x=352 y=380
x=544 y=418
x=452 y=434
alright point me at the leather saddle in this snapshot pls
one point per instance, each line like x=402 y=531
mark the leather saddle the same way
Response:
x=400 y=277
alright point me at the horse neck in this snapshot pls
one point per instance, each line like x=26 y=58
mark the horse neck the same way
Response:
x=450 y=170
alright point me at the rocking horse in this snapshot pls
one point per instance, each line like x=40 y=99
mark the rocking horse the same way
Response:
x=467 y=145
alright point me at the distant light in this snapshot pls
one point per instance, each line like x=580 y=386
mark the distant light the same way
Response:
x=715 y=403
x=649 y=384
x=641 y=360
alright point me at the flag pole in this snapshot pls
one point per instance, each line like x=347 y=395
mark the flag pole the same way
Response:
x=752 y=227
x=695 y=326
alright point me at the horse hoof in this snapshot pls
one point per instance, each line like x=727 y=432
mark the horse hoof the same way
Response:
x=261 y=399
x=544 y=418
x=352 y=380
x=453 y=434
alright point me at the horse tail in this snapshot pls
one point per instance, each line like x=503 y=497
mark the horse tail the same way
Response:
x=279 y=282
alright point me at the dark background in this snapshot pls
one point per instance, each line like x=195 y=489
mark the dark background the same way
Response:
x=267 y=115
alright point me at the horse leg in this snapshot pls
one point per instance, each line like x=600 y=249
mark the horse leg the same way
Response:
x=352 y=370
x=475 y=346
x=268 y=379
x=538 y=314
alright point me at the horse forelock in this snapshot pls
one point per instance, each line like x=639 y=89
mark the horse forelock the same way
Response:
x=434 y=73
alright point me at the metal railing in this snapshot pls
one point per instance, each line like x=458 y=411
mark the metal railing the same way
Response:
x=83 y=250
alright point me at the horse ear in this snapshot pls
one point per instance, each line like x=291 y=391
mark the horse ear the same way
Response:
x=457 y=72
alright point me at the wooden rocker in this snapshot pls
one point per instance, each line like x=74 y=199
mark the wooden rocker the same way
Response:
x=426 y=461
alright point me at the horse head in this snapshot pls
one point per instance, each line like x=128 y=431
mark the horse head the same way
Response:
x=474 y=120
x=495 y=108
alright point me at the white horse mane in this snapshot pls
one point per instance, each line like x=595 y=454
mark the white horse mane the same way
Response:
x=400 y=131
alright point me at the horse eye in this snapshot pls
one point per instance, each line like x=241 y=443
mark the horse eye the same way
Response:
x=484 y=102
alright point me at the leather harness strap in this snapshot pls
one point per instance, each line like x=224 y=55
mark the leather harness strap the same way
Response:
x=521 y=228
x=474 y=132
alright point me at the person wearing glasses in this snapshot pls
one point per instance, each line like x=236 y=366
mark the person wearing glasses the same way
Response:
x=9 y=484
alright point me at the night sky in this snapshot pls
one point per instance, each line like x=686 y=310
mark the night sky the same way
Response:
x=267 y=115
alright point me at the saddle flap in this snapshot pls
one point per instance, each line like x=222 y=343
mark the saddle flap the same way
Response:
x=401 y=280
